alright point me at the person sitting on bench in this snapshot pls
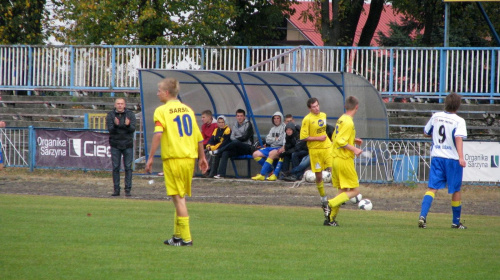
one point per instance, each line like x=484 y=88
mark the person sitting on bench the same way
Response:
x=241 y=144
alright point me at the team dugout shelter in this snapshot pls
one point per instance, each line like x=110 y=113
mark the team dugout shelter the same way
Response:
x=261 y=94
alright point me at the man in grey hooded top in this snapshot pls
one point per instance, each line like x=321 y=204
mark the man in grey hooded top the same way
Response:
x=273 y=148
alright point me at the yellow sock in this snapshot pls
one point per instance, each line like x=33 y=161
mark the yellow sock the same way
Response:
x=321 y=188
x=338 y=200
x=456 y=203
x=183 y=224
x=257 y=158
x=333 y=214
x=430 y=193
x=177 y=232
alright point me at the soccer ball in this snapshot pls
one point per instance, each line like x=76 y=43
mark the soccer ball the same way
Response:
x=365 y=204
x=310 y=176
x=356 y=199
x=327 y=176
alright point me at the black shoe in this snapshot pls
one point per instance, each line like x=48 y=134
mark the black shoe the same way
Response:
x=183 y=243
x=172 y=240
x=422 y=222
x=176 y=241
x=116 y=193
x=127 y=193
x=291 y=178
x=459 y=226
x=331 y=224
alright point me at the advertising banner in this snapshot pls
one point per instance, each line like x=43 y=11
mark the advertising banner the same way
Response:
x=482 y=161
x=72 y=149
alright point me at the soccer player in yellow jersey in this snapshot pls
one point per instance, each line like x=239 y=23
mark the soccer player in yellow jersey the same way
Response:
x=344 y=176
x=313 y=131
x=181 y=141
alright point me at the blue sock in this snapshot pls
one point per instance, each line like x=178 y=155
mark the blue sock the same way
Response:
x=266 y=168
x=277 y=169
x=456 y=209
x=262 y=161
x=426 y=203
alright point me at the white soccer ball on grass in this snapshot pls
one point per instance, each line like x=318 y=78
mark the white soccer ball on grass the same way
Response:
x=327 y=176
x=356 y=199
x=365 y=204
x=310 y=176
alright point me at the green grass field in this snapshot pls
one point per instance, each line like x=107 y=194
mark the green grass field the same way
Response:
x=55 y=238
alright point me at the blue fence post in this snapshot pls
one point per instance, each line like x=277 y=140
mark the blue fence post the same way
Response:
x=31 y=147
x=30 y=68
x=203 y=58
x=492 y=75
x=391 y=73
x=86 y=121
x=294 y=61
x=442 y=73
x=247 y=61
x=72 y=68
x=113 y=69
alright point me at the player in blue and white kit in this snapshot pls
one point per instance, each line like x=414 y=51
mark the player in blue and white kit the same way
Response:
x=447 y=130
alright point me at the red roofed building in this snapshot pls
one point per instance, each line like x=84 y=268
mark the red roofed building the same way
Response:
x=300 y=33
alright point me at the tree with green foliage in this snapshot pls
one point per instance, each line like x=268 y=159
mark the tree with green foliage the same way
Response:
x=423 y=24
x=260 y=22
x=170 y=22
x=21 y=22
x=115 y=21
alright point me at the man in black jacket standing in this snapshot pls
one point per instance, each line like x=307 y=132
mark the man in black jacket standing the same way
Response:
x=121 y=126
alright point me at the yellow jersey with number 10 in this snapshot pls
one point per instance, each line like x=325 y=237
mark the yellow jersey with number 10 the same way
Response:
x=180 y=133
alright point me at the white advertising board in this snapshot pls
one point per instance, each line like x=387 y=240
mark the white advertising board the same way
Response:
x=482 y=162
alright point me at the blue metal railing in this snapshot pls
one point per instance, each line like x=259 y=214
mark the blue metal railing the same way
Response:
x=402 y=71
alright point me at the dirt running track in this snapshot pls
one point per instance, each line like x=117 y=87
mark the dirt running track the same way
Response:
x=477 y=200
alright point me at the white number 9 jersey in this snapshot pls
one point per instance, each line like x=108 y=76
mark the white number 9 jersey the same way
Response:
x=444 y=127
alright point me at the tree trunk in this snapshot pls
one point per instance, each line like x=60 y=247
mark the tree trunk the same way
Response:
x=429 y=22
x=335 y=26
x=350 y=22
x=325 y=21
x=372 y=21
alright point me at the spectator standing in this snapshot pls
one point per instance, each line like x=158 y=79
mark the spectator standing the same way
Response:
x=241 y=144
x=209 y=124
x=447 y=130
x=313 y=131
x=344 y=176
x=121 y=126
x=275 y=140
x=181 y=143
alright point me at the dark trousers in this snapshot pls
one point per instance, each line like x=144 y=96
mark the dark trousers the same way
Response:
x=233 y=149
x=297 y=157
x=116 y=158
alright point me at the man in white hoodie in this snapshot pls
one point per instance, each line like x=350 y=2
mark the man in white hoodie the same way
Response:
x=273 y=148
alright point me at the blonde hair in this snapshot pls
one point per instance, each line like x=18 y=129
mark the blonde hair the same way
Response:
x=171 y=85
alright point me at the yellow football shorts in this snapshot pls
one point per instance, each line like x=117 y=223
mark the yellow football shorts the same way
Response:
x=344 y=174
x=178 y=175
x=321 y=159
